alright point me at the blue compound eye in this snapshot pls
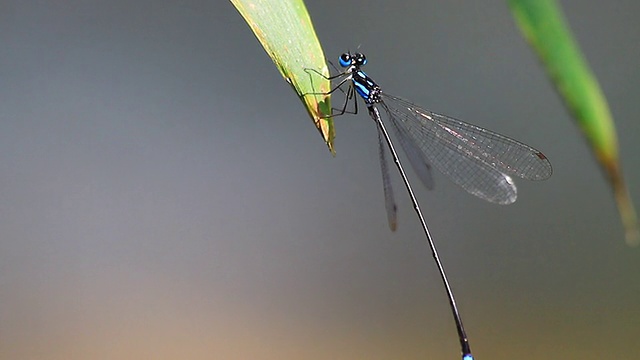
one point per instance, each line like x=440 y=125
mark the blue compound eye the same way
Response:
x=360 y=59
x=345 y=60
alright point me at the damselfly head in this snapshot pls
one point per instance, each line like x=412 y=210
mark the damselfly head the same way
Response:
x=347 y=59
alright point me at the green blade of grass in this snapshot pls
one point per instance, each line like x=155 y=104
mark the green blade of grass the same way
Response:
x=286 y=33
x=543 y=25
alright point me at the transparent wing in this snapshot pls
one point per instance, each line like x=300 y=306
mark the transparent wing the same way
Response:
x=389 y=201
x=419 y=162
x=479 y=160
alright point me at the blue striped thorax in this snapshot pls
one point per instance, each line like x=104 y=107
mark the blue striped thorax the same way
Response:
x=364 y=85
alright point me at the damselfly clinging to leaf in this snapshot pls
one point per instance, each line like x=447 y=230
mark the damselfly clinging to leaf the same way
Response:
x=480 y=161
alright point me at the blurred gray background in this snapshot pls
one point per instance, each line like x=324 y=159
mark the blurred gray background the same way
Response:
x=164 y=195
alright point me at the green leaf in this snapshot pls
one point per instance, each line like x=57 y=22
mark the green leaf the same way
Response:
x=284 y=29
x=543 y=25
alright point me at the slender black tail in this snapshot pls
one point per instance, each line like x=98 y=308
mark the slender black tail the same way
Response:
x=464 y=342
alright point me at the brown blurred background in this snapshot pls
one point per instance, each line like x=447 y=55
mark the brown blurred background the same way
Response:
x=164 y=195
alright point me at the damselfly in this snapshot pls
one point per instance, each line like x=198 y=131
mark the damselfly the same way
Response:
x=480 y=161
